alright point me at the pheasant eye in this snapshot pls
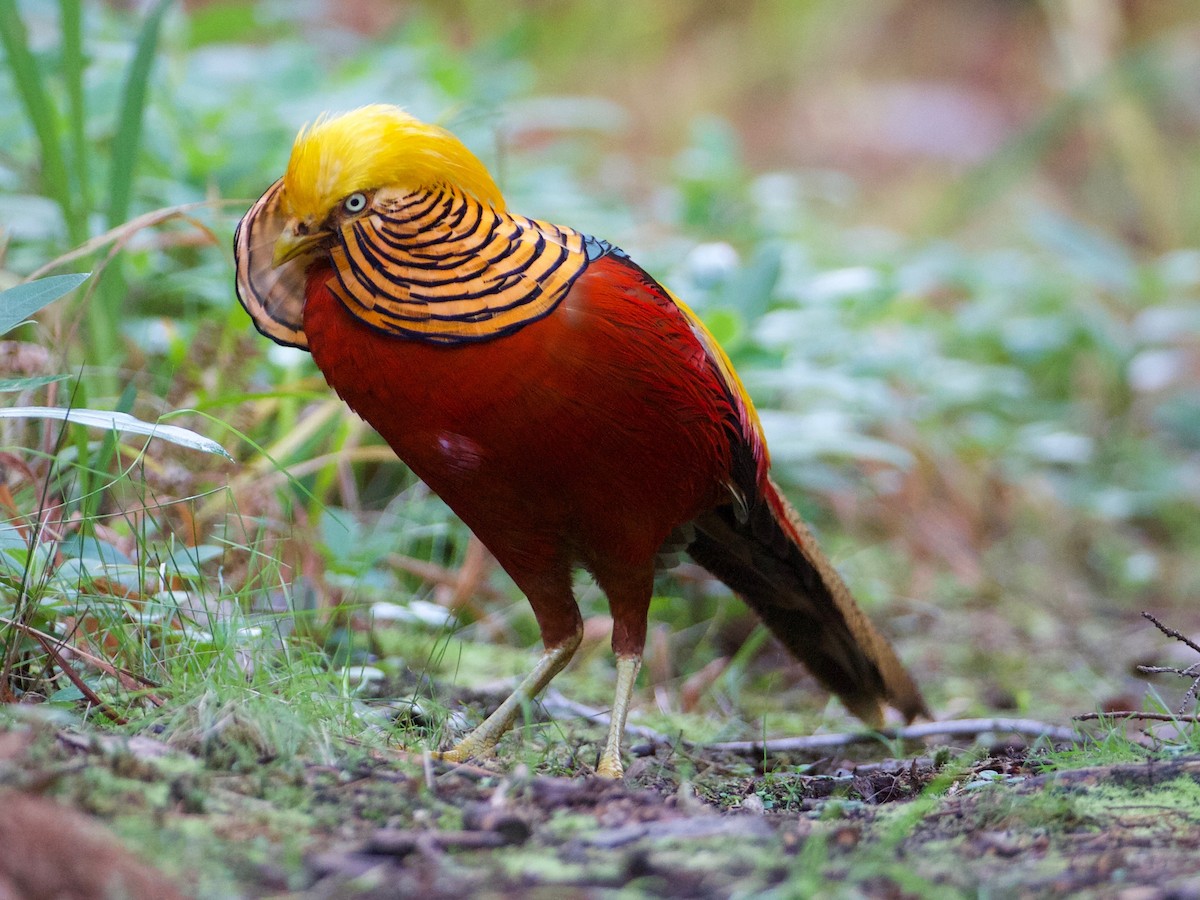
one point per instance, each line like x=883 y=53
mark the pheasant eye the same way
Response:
x=355 y=203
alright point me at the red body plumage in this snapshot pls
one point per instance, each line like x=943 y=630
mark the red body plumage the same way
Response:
x=585 y=438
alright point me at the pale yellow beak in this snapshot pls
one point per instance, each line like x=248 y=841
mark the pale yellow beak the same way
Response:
x=292 y=244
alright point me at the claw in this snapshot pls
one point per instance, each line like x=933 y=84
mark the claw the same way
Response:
x=610 y=767
x=463 y=751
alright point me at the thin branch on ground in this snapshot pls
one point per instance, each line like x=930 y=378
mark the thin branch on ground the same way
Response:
x=556 y=704
x=1135 y=714
x=954 y=728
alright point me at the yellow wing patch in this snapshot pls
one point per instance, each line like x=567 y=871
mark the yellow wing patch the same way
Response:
x=751 y=425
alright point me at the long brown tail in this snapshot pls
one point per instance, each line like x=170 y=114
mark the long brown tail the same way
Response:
x=770 y=559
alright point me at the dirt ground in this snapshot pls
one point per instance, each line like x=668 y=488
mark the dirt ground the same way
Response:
x=90 y=815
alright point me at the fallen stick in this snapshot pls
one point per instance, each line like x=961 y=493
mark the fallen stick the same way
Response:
x=556 y=704
x=950 y=728
x=1134 y=714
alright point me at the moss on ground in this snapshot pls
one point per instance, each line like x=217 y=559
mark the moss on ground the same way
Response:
x=374 y=823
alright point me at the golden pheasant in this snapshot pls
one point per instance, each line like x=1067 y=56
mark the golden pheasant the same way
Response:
x=563 y=403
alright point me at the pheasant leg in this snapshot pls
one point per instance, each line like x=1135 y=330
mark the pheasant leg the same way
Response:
x=610 y=765
x=482 y=741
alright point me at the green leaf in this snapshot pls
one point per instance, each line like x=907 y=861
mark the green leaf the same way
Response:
x=79 y=546
x=133 y=107
x=39 y=111
x=19 y=303
x=67 y=695
x=117 y=421
x=11 y=539
x=74 y=61
x=13 y=385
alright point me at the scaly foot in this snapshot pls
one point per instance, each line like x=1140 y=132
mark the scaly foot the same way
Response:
x=610 y=765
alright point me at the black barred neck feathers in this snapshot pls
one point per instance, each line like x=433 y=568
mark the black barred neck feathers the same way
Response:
x=434 y=265
x=440 y=266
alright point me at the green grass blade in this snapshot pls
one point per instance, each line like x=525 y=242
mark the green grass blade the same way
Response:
x=73 y=63
x=89 y=507
x=40 y=113
x=104 y=312
x=29 y=383
x=132 y=111
x=19 y=303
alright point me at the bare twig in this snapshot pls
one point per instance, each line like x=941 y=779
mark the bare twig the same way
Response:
x=457 y=588
x=52 y=647
x=1134 y=714
x=121 y=234
x=53 y=644
x=471 y=575
x=953 y=728
x=556 y=704
x=1171 y=632
x=1192 y=671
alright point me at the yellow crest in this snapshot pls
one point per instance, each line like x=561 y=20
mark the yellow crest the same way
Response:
x=373 y=147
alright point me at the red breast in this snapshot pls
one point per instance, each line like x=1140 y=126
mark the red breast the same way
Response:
x=602 y=422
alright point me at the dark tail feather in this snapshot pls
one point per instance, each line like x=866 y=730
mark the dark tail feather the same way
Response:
x=771 y=560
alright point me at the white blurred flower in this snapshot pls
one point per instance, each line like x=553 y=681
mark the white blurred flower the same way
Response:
x=711 y=262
